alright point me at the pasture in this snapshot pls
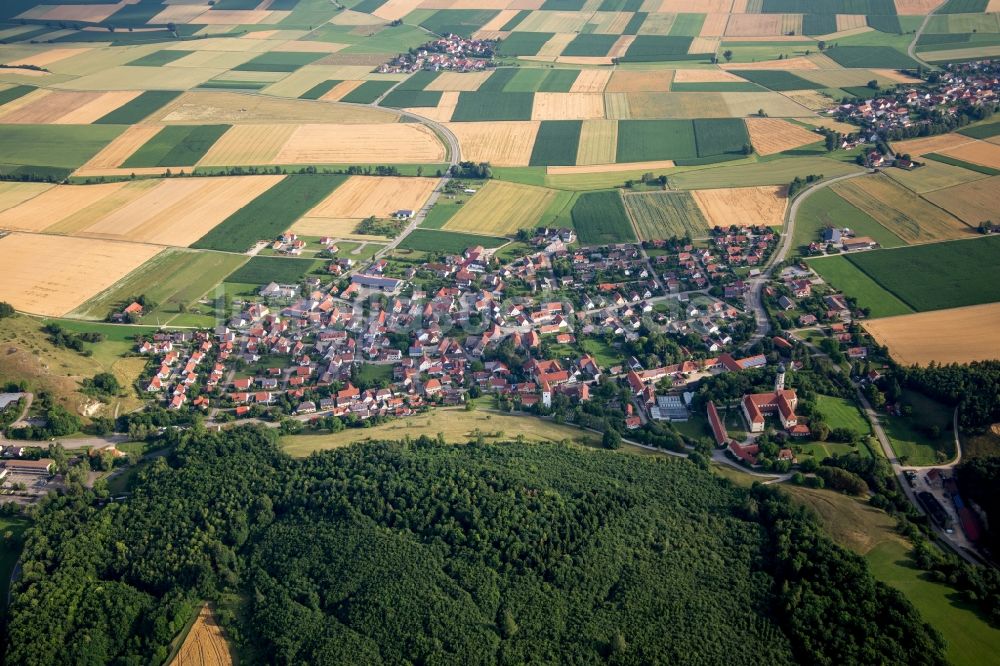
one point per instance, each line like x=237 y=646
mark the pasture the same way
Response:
x=763 y=205
x=666 y=215
x=600 y=217
x=440 y=241
x=939 y=275
x=844 y=276
x=52 y=275
x=502 y=208
x=269 y=214
x=957 y=335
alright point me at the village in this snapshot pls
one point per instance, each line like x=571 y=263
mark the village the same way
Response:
x=448 y=53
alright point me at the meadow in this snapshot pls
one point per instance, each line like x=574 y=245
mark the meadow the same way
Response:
x=270 y=214
x=263 y=270
x=846 y=277
x=600 y=217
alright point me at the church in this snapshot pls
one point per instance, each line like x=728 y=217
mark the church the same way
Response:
x=780 y=402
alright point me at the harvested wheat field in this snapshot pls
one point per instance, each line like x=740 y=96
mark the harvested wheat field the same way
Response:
x=15 y=194
x=238 y=17
x=917 y=7
x=361 y=144
x=205 y=645
x=335 y=93
x=706 y=76
x=555 y=46
x=801 y=62
x=894 y=207
x=332 y=227
x=197 y=108
x=696 y=6
x=498 y=21
x=608 y=168
x=764 y=205
x=567 y=106
x=507 y=143
x=714 y=25
x=460 y=81
x=972 y=203
x=47 y=57
x=930 y=144
x=958 y=335
x=43 y=109
x=846 y=22
x=598 y=142
x=774 y=135
x=55 y=204
x=52 y=275
x=180 y=211
x=813 y=100
x=362 y=196
x=894 y=75
x=395 y=9
x=591 y=81
x=754 y=25
x=444 y=110
x=624 y=80
x=86 y=13
x=501 y=208
x=248 y=145
x=978 y=152
x=829 y=123
x=86 y=216
x=97 y=108
x=616 y=106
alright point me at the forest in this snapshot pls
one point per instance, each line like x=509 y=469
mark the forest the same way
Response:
x=975 y=388
x=420 y=552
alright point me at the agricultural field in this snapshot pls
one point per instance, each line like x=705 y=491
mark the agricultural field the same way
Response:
x=774 y=135
x=898 y=210
x=361 y=144
x=499 y=143
x=825 y=208
x=556 y=143
x=440 y=241
x=845 y=276
x=481 y=106
x=763 y=205
x=937 y=276
x=956 y=335
x=933 y=176
x=176 y=146
x=666 y=215
x=205 y=644
x=600 y=217
x=972 y=203
x=502 y=208
x=380 y=196
x=263 y=270
x=64 y=147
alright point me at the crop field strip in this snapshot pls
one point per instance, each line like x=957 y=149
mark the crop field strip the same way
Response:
x=956 y=335
x=503 y=143
x=761 y=205
x=440 y=241
x=598 y=142
x=176 y=146
x=973 y=202
x=659 y=215
x=262 y=270
x=600 y=217
x=502 y=208
x=363 y=196
x=774 y=135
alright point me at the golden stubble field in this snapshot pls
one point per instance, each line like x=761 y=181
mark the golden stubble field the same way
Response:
x=205 y=644
x=501 y=208
x=959 y=335
x=504 y=143
x=362 y=196
x=53 y=275
x=361 y=144
x=774 y=135
x=764 y=205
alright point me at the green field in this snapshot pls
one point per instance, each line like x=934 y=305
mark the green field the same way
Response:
x=590 y=45
x=283 y=270
x=433 y=240
x=556 y=143
x=845 y=276
x=649 y=48
x=883 y=57
x=159 y=58
x=176 y=146
x=401 y=99
x=170 y=279
x=666 y=215
x=61 y=146
x=140 y=107
x=527 y=80
x=278 y=61
x=910 y=436
x=473 y=106
x=954 y=161
x=963 y=7
x=717 y=86
x=600 y=217
x=840 y=413
x=720 y=136
x=320 y=89
x=777 y=171
x=825 y=208
x=776 y=79
x=646 y=140
x=12 y=93
x=524 y=43
x=559 y=80
x=270 y=214
x=938 y=275
x=462 y=22
x=367 y=92
x=986 y=131
x=498 y=79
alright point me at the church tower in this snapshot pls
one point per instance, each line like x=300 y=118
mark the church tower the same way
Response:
x=779 y=380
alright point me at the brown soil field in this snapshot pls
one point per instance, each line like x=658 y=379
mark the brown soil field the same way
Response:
x=507 y=143
x=774 y=135
x=205 y=644
x=978 y=152
x=15 y=194
x=763 y=205
x=98 y=108
x=714 y=25
x=958 y=335
x=810 y=99
x=696 y=6
x=993 y=6
x=361 y=144
x=54 y=205
x=705 y=76
x=196 y=108
x=52 y=275
x=930 y=144
x=87 y=215
x=555 y=46
x=460 y=81
x=363 y=196
x=739 y=7
x=333 y=227
x=567 y=106
x=801 y=62
x=972 y=203
x=608 y=168
x=598 y=142
x=443 y=111
x=919 y=7
x=339 y=90
x=591 y=81
x=180 y=211
x=895 y=208
x=47 y=109
x=501 y=208
x=248 y=145
x=754 y=25
x=49 y=56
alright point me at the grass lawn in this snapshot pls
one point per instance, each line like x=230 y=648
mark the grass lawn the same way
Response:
x=605 y=355
x=369 y=372
x=909 y=435
x=9 y=552
x=840 y=413
x=457 y=425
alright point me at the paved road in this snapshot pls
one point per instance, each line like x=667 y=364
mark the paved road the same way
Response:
x=754 y=298
x=911 y=50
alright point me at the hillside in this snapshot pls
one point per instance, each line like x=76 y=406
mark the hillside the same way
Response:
x=419 y=552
